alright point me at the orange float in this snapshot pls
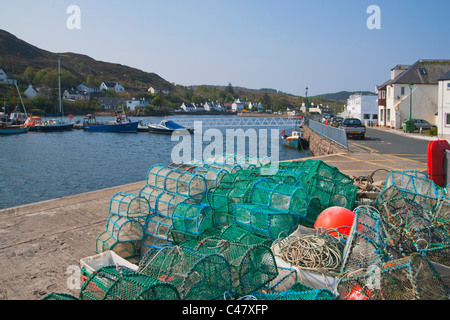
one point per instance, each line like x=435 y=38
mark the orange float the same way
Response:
x=338 y=218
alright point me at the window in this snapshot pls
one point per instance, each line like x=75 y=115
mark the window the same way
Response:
x=422 y=71
x=403 y=91
x=448 y=85
x=374 y=116
x=366 y=116
x=447 y=119
x=388 y=115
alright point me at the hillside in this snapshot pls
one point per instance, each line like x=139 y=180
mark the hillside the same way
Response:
x=342 y=95
x=17 y=54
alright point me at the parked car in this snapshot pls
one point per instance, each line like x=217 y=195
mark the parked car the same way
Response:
x=336 y=121
x=420 y=123
x=353 y=127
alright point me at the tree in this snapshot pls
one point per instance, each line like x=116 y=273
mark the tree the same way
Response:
x=266 y=101
x=229 y=89
x=91 y=80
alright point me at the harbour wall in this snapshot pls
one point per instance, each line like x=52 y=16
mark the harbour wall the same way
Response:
x=320 y=146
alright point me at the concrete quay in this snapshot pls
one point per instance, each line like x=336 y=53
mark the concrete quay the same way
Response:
x=39 y=242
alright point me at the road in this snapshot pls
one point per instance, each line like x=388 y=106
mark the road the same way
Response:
x=378 y=141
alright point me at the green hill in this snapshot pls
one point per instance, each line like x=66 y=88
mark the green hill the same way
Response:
x=18 y=55
x=342 y=95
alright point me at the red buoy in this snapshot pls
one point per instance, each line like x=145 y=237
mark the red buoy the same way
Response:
x=338 y=218
x=435 y=161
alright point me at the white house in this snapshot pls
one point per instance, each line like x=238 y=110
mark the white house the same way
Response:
x=75 y=95
x=30 y=92
x=214 y=106
x=188 y=107
x=255 y=106
x=154 y=90
x=5 y=79
x=88 y=88
x=396 y=94
x=111 y=86
x=363 y=107
x=443 y=122
x=133 y=103
x=110 y=103
x=238 y=105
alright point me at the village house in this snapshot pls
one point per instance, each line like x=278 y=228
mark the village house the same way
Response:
x=5 y=79
x=188 y=107
x=154 y=90
x=111 y=103
x=417 y=83
x=133 y=103
x=363 y=107
x=75 y=95
x=214 y=106
x=30 y=92
x=443 y=122
x=87 y=88
x=238 y=105
x=111 y=86
x=255 y=106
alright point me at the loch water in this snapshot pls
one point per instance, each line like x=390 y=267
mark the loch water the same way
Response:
x=38 y=166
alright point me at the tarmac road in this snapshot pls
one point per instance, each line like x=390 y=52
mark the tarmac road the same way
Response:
x=395 y=144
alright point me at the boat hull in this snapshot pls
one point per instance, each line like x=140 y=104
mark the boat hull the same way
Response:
x=13 y=130
x=296 y=143
x=129 y=127
x=169 y=131
x=49 y=128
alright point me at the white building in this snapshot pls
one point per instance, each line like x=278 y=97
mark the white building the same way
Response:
x=87 y=88
x=30 y=92
x=363 y=107
x=443 y=122
x=133 y=103
x=252 y=106
x=154 y=90
x=111 y=86
x=238 y=105
x=214 y=106
x=5 y=79
x=396 y=94
x=188 y=107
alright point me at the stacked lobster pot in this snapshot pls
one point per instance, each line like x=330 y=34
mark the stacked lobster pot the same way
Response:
x=124 y=229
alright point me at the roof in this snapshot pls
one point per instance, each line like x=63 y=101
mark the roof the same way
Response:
x=110 y=84
x=422 y=72
x=445 y=76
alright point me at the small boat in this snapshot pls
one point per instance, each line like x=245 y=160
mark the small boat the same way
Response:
x=32 y=122
x=168 y=127
x=121 y=124
x=9 y=128
x=56 y=124
x=295 y=140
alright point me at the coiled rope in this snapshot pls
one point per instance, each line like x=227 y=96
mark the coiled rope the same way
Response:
x=311 y=251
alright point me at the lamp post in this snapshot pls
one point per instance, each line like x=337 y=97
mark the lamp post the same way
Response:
x=410 y=99
x=306 y=100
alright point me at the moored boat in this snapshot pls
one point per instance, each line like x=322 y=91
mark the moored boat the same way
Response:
x=121 y=124
x=295 y=140
x=32 y=122
x=168 y=127
x=8 y=128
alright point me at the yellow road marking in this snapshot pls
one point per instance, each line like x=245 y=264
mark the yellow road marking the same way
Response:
x=365 y=147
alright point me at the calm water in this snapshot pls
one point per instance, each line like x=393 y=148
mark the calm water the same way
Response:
x=38 y=166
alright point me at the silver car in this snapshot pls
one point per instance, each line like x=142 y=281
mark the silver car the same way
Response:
x=425 y=125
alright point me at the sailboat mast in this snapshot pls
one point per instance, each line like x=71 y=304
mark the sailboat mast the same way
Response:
x=59 y=87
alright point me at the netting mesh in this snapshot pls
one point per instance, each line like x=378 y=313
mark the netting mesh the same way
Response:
x=196 y=276
x=118 y=283
x=243 y=228
x=253 y=266
x=408 y=278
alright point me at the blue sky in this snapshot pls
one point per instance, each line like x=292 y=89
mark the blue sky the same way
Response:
x=287 y=45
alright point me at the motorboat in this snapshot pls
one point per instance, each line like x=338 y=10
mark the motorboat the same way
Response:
x=295 y=140
x=121 y=124
x=32 y=122
x=167 y=126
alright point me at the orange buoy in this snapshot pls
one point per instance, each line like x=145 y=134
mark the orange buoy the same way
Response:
x=338 y=218
x=435 y=161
